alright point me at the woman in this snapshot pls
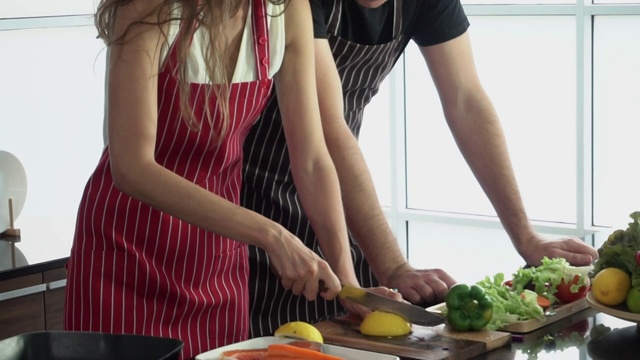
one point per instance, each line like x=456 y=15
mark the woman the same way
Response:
x=161 y=244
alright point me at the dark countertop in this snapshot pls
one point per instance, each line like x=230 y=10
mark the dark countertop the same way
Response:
x=32 y=269
x=23 y=267
x=587 y=333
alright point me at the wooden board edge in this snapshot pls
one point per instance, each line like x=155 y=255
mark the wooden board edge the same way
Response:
x=523 y=327
x=479 y=341
x=491 y=339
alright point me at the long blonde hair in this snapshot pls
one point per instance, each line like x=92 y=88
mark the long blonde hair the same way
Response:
x=209 y=15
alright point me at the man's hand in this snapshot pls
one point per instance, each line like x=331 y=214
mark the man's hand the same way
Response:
x=420 y=286
x=363 y=311
x=572 y=249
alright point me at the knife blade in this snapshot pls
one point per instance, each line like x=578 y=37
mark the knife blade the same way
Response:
x=411 y=313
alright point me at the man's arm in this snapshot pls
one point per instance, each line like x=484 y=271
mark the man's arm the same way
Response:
x=364 y=215
x=477 y=131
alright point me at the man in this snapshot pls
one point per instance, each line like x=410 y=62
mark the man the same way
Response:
x=362 y=40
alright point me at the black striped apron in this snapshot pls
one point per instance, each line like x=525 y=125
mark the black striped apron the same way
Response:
x=268 y=186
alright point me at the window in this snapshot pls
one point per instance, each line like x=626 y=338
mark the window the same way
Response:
x=616 y=1
x=51 y=118
x=38 y=8
x=375 y=138
x=516 y=2
x=529 y=73
x=616 y=114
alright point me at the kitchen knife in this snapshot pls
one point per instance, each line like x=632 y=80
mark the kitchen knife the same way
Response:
x=411 y=313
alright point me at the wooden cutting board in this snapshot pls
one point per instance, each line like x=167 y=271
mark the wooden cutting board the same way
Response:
x=557 y=313
x=424 y=343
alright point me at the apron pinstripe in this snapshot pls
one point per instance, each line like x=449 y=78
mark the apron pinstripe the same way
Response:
x=268 y=187
x=134 y=269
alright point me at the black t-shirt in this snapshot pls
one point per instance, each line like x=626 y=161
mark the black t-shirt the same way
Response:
x=427 y=22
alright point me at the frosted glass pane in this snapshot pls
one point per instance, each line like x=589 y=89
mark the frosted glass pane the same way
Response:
x=616 y=1
x=431 y=246
x=516 y=2
x=616 y=119
x=51 y=97
x=479 y=252
x=34 y=8
x=375 y=142
x=529 y=73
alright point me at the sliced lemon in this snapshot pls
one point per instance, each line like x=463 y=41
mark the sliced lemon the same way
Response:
x=380 y=323
x=300 y=330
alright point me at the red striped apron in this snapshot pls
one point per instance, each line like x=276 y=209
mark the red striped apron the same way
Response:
x=134 y=269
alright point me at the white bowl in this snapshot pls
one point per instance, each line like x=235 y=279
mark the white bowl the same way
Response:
x=13 y=185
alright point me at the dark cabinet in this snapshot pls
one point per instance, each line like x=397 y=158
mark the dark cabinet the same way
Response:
x=54 y=298
x=21 y=305
x=32 y=302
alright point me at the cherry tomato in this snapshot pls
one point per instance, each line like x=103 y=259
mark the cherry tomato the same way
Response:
x=508 y=283
x=564 y=293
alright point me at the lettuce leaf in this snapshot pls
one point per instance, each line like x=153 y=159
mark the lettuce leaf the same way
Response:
x=509 y=306
x=546 y=277
x=620 y=250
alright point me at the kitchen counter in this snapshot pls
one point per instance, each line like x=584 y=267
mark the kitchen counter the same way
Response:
x=585 y=335
x=31 y=296
x=17 y=259
x=588 y=334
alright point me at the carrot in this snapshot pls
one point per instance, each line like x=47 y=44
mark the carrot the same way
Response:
x=250 y=354
x=543 y=302
x=284 y=351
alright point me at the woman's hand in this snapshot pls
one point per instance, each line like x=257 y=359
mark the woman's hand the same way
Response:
x=300 y=269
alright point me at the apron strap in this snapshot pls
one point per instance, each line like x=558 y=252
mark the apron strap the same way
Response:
x=261 y=38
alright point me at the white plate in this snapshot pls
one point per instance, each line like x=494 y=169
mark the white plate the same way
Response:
x=263 y=342
x=13 y=184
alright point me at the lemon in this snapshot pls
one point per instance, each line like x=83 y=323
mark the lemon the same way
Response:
x=300 y=330
x=610 y=286
x=380 y=323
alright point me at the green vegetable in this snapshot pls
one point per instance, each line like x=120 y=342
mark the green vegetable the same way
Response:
x=509 y=306
x=468 y=308
x=550 y=344
x=546 y=277
x=620 y=250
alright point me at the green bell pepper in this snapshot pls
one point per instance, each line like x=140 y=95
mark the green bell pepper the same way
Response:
x=468 y=308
